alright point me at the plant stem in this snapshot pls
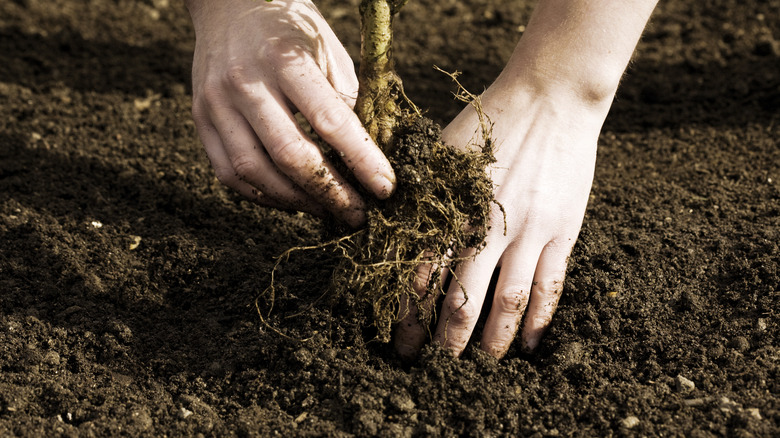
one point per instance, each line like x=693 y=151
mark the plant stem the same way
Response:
x=380 y=87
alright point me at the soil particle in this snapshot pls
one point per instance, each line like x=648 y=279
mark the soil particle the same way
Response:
x=303 y=357
x=142 y=419
x=740 y=344
x=684 y=385
x=629 y=422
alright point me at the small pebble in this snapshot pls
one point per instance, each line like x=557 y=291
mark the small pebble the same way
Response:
x=184 y=412
x=727 y=405
x=142 y=419
x=135 y=241
x=303 y=356
x=402 y=402
x=697 y=402
x=51 y=358
x=740 y=343
x=754 y=412
x=629 y=422
x=684 y=384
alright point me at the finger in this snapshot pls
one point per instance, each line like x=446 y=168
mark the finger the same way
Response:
x=342 y=76
x=298 y=157
x=339 y=126
x=244 y=162
x=510 y=299
x=460 y=310
x=410 y=333
x=225 y=173
x=545 y=292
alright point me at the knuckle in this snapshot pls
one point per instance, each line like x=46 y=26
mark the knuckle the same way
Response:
x=464 y=312
x=289 y=154
x=209 y=96
x=512 y=301
x=331 y=120
x=282 y=47
x=548 y=288
x=237 y=77
x=244 y=166
x=226 y=176
x=200 y=114
x=349 y=91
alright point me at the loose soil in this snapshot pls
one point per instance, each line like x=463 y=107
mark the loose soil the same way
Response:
x=128 y=274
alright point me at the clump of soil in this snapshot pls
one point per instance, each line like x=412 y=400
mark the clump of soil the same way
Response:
x=440 y=208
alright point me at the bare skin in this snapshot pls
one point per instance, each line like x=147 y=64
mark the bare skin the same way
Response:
x=256 y=64
x=547 y=106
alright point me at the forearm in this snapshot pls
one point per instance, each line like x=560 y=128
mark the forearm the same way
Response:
x=221 y=14
x=579 y=45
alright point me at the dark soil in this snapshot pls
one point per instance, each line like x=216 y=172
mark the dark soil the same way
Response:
x=128 y=274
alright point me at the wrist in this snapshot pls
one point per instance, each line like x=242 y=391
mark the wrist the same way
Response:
x=593 y=88
x=523 y=89
x=193 y=6
x=578 y=47
x=198 y=10
x=532 y=100
x=545 y=66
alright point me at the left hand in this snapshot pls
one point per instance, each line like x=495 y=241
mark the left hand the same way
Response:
x=545 y=151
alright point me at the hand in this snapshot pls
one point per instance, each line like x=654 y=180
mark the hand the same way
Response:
x=548 y=106
x=545 y=151
x=256 y=63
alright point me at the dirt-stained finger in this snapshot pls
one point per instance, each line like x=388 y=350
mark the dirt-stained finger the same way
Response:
x=510 y=299
x=301 y=160
x=226 y=174
x=466 y=295
x=242 y=161
x=410 y=333
x=339 y=126
x=546 y=291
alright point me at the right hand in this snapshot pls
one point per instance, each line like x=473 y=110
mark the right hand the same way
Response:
x=256 y=63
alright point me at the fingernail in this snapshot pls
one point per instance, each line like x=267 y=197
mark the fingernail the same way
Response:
x=383 y=185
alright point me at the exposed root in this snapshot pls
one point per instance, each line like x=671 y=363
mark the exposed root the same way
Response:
x=441 y=208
